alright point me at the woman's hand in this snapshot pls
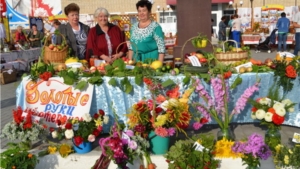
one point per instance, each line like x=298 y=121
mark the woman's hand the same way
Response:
x=116 y=56
x=107 y=59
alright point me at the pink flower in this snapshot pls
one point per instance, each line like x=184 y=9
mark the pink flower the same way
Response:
x=160 y=131
x=129 y=133
x=91 y=138
x=132 y=145
x=171 y=131
x=197 y=125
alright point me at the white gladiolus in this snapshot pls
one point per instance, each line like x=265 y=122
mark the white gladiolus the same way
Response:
x=164 y=105
x=105 y=119
x=260 y=114
x=268 y=117
x=54 y=134
x=280 y=111
x=69 y=133
x=253 y=116
x=87 y=117
x=278 y=105
x=265 y=101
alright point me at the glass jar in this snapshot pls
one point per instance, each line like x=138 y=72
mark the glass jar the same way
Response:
x=272 y=138
x=227 y=133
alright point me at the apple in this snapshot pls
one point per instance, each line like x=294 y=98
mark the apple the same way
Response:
x=51 y=46
x=55 y=48
x=130 y=62
x=93 y=69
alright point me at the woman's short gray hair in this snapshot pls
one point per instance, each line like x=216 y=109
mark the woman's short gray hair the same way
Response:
x=100 y=10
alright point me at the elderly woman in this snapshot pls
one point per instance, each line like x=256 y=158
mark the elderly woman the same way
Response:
x=104 y=39
x=74 y=31
x=146 y=35
x=20 y=36
x=35 y=36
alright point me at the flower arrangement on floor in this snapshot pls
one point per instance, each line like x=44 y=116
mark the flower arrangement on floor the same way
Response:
x=123 y=146
x=272 y=111
x=285 y=72
x=253 y=150
x=223 y=149
x=15 y=157
x=164 y=113
x=24 y=128
x=193 y=153
x=286 y=156
x=80 y=130
x=216 y=105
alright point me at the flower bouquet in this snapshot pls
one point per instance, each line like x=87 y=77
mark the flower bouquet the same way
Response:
x=287 y=156
x=271 y=111
x=193 y=153
x=216 y=105
x=24 y=128
x=165 y=112
x=252 y=150
x=83 y=130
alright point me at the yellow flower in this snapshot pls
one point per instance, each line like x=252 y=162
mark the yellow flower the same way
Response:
x=161 y=120
x=286 y=159
x=52 y=149
x=98 y=122
x=65 y=150
x=278 y=147
x=223 y=149
x=183 y=100
x=75 y=120
x=290 y=151
x=132 y=120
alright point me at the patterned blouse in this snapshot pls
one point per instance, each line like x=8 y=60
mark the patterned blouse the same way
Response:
x=149 y=41
x=81 y=40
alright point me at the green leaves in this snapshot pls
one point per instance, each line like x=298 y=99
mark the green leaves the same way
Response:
x=126 y=85
x=113 y=82
x=238 y=80
x=96 y=80
x=168 y=83
x=81 y=85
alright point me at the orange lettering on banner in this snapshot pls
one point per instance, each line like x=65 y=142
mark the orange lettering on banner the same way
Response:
x=32 y=94
x=44 y=98
x=71 y=99
x=84 y=99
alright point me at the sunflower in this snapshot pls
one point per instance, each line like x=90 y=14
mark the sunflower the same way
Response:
x=65 y=150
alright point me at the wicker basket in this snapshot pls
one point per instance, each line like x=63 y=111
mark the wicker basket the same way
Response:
x=231 y=57
x=51 y=56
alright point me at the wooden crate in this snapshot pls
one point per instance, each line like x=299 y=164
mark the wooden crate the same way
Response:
x=5 y=77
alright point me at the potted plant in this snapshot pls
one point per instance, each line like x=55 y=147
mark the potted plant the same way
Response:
x=193 y=153
x=200 y=41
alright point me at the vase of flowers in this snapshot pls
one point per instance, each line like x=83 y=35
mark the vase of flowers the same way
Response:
x=216 y=105
x=226 y=133
x=24 y=128
x=82 y=131
x=253 y=150
x=271 y=111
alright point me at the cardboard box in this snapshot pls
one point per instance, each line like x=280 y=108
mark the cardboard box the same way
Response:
x=8 y=75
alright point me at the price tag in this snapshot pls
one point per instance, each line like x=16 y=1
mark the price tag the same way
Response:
x=296 y=138
x=195 y=61
x=198 y=147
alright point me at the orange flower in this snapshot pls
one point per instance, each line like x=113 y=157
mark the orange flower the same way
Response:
x=29 y=155
x=254 y=109
x=160 y=98
x=290 y=71
x=173 y=93
x=272 y=110
x=147 y=81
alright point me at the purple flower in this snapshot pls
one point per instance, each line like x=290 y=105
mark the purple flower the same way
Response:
x=197 y=125
x=171 y=131
x=129 y=133
x=132 y=145
x=241 y=102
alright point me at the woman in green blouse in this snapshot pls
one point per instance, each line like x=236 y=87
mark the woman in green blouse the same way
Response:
x=35 y=37
x=146 y=35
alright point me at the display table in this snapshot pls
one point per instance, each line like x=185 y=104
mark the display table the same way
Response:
x=105 y=94
x=253 y=39
x=20 y=59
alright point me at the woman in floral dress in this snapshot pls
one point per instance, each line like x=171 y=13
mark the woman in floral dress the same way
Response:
x=146 y=36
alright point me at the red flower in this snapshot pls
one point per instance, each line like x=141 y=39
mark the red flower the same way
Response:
x=173 y=93
x=96 y=115
x=227 y=75
x=45 y=76
x=147 y=81
x=272 y=110
x=101 y=112
x=58 y=122
x=51 y=129
x=78 y=140
x=158 y=110
x=140 y=106
x=68 y=126
x=278 y=120
x=96 y=132
x=17 y=114
x=290 y=71
x=27 y=125
x=254 y=109
x=203 y=120
x=99 y=128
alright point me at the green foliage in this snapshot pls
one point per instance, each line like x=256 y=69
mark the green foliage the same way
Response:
x=183 y=153
x=39 y=68
x=238 y=80
x=17 y=158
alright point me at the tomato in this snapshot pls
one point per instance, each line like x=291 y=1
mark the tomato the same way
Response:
x=203 y=60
